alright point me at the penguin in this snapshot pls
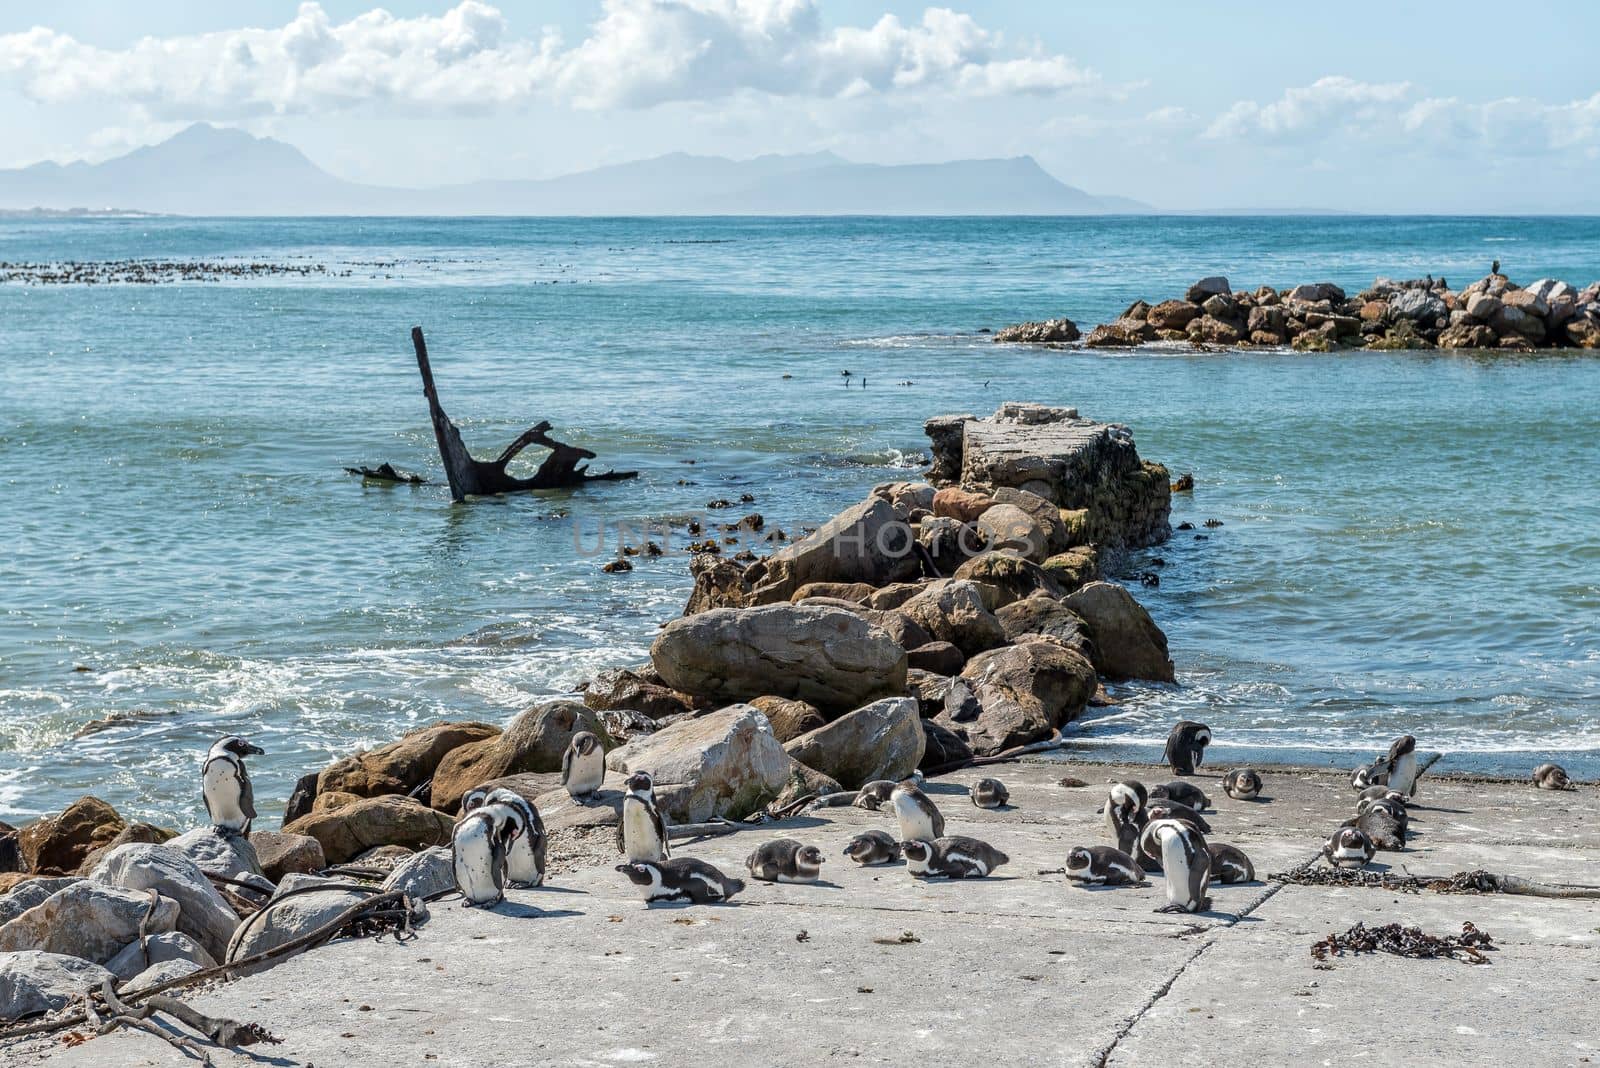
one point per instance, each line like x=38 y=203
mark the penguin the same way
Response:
x=1229 y=864
x=1242 y=784
x=1374 y=793
x=479 y=848
x=1402 y=760
x=956 y=857
x=1125 y=814
x=872 y=796
x=525 y=863
x=1384 y=821
x=1172 y=810
x=1370 y=775
x=990 y=793
x=473 y=799
x=583 y=767
x=225 y=785
x=1349 y=848
x=1551 y=777
x=1186 y=861
x=643 y=829
x=784 y=860
x=920 y=819
x=1103 y=866
x=1186 y=746
x=873 y=847
x=680 y=879
x=1183 y=793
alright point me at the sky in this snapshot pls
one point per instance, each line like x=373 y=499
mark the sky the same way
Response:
x=1470 y=107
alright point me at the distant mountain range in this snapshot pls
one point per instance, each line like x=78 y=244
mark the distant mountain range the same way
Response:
x=206 y=170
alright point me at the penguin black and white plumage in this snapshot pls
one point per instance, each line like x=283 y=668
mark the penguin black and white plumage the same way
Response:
x=1349 y=848
x=1370 y=775
x=479 y=848
x=1229 y=864
x=873 y=847
x=1384 y=820
x=583 y=766
x=1373 y=793
x=225 y=785
x=1186 y=746
x=990 y=793
x=1242 y=784
x=873 y=795
x=1402 y=761
x=680 y=879
x=473 y=799
x=525 y=862
x=1186 y=862
x=1182 y=792
x=919 y=818
x=1163 y=809
x=955 y=857
x=643 y=828
x=1551 y=777
x=784 y=860
x=1103 y=866
x=1125 y=815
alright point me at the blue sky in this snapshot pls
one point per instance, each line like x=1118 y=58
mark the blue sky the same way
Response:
x=1386 y=107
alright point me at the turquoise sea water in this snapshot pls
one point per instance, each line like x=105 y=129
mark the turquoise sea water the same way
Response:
x=1410 y=540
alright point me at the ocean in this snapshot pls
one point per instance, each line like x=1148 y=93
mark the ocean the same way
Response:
x=1409 y=541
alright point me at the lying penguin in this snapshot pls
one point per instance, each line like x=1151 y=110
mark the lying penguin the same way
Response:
x=1349 y=849
x=1384 y=820
x=680 y=879
x=1229 y=864
x=873 y=795
x=990 y=793
x=784 y=860
x=956 y=857
x=1242 y=784
x=1182 y=792
x=1551 y=777
x=873 y=847
x=1103 y=866
x=1160 y=809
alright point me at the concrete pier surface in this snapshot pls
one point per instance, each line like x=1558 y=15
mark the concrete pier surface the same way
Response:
x=871 y=966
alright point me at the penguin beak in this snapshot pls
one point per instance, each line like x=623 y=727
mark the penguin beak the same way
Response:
x=255 y=750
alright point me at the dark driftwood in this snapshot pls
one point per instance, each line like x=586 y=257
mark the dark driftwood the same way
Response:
x=563 y=467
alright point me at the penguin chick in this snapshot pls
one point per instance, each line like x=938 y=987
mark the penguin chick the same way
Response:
x=1172 y=810
x=956 y=857
x=680 y=879
x=1186 y=862
x=479 y=846
x=1186 y=746
x=873 y=847
x=1183 y=793
x=1551 y=777
x=990 y=793
x=1349 y=848
x=872 y=796
x=1103 y=866
x=583 y=766
x=920 y=819
x=643 y=828
x=525 y=861
x=225 y=785
x=1242 y=784
x=1229 y=864
x=784 y=860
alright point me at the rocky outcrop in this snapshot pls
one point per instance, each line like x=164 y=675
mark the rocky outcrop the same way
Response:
x=402 y=766
x=535 y=741
x=636 y=689
x=291 y=912
x=1049 y=331
x=227 y=855
x=1023 y=694
x=58 y=845
x=89 y=921
x=1010 y=577
x=1044 y=615
x=866 y=542
x=1127 y=642
x=285 y=854
x=347 y=832
x=203 y=915
x=953 y=610
x=725 y=763
x=829 y=657
x=882 y=740
x=789 y=718
x=32 y=982
x=33 y=892
x=424 y=874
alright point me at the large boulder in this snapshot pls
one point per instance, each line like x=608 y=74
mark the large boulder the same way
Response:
x=401 y=766
x=283 y=854
x=1045 y=332
x=788 y=718
x=429 y=873
x=24 y=896
x=1172 y=315
x=953 y=611
x=159 y=949
x=636 y=690
x=1584 y=332
x=726 y=763
x=202 y=913
x=1127 y=641
x=964 y=506
x=32 y=982
x=88 y=920
x=829 y=657
x=535 y=741
x=57 y=845
x=906 y=498
x=1313 y=292
x=948 y=541
x=942 y=747
x=347 y=832
x=718 y=583
x=1043 y=511
x=1418 y=305
x=882 y=740
x=1073 y=568
x=133 y=832
x=1023 y=693
x=1206 y=287
x=228 y=855
x=296 y=909
x=1043 y=614
x=866 y=542
x=1010 y=577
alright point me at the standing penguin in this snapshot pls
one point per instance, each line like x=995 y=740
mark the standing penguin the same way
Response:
x=920 y=819
x=784 y=860
x=680 y=879
x=956 y=857
x=1186 y=746
x=583 y=767
x=1402 y=760
x=225 y=785
x=1125 y=815
x=1242 y=784
x=643 y=829
x=873 y=847
x=1186 y=861
x=479 y=848
x=990 y=793
x=525 y=862
x=1551 y=777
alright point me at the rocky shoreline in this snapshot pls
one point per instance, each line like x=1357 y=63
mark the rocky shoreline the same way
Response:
x=1491 y=313
x=928 y=624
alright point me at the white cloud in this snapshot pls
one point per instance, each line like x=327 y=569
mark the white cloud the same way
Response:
x=638 y=54
x=1310 y=110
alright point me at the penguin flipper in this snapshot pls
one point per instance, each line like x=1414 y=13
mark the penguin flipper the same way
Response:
x=247 y=796
x=566 y=766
